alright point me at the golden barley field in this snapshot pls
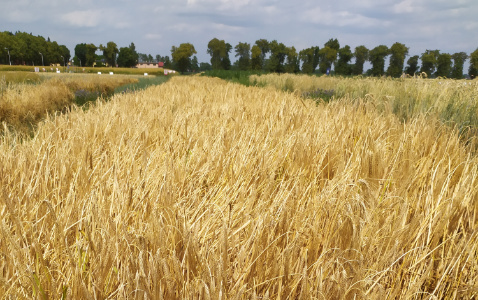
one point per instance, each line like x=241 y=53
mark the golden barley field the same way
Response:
x=453 y=102
x=204 y=189
x=27 y=98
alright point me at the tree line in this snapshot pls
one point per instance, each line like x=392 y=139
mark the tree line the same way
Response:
x=272 y=56
x=21 y=48
x=263 y=55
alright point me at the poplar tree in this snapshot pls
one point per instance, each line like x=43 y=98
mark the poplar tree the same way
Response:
x=377 y=59
x=310 y=59
x=345 y=56
x=412 y=65
x=361 y=56
x=458 y=62
x=473 y=69
x=429 y=60
x=243 y=51
x=444 y=65
x=398 y=52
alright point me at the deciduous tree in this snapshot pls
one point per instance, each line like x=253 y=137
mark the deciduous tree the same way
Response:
x=342 y=66
x=327 y=58
x=182 y=56
x=126 y=58
x=25 y=48
x=458 y=62
x=310 y=59
x=328 y=55
x=277 y=58
x=135 y=53
x=168 y=64
x=205 y=66
x=292 y=60
x=444 y=65
x=361 y=56
x=226 y=61
x=377 y=58
x=243 y=51
x=143 y=58
x=218 y=51
x=429 y=60
x=265 y=48
x=473 y=69
x=194 y=64
x=80 y=52
x=256 y=58
x=90 y=54
x=333 y=43
x=54 y=53
x=398 y=53
x=412 y=65
x=109 y=53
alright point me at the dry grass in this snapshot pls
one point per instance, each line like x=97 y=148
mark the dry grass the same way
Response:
x=23 y=105
x=84 y=70
x=454 y=102
x=105 y=84
x=202 y=189
x=17 y=77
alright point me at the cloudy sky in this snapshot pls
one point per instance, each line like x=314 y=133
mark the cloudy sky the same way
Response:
x=156 y=25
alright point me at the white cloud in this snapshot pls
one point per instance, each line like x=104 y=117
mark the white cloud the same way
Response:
x=20 y=16
x=156 y=25
x=226 y=28
x=183 y=27
x=220 y=4
x=153 y=36
x=83 y=18
x=473 y=26
x=406 y=6
x=96 y=18
x=339 y=18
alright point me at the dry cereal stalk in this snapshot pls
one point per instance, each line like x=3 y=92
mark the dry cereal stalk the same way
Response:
x=200 y=188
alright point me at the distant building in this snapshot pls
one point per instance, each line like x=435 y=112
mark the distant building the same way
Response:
x=150 y=65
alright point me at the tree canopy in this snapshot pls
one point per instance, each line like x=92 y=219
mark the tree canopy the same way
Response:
x=126 y=58
x=444 y=65
x=310 y=59
x=109 y=53
x=182 y=56
x=292 y=60
x=345 y=56
x=473 y=69
x=398 y=52
x=23 y=48
x=277 y=58
x=26 y=49
x=412 y=65
x=219 y=51
x=328 y=55
x=361 y=56
x=377 y=59
x=429 y=60
x=256 y=58
x=458 y=62
x=243 y=51
x=264 y=46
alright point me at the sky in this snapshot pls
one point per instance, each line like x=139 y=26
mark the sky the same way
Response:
x=154 y=26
